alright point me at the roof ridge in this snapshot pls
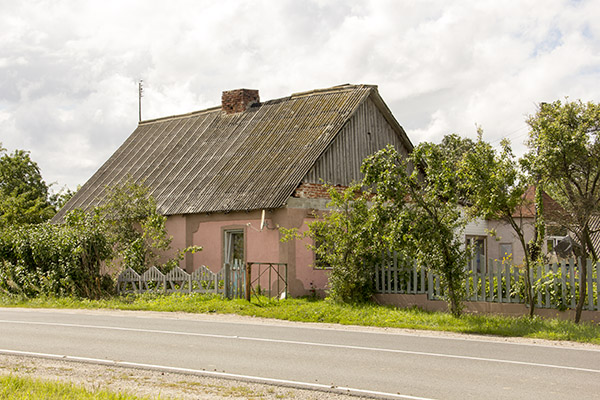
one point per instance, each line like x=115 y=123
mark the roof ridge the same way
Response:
x=337 y=88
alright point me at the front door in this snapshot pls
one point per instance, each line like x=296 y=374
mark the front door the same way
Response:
x=234 y=247
x=235 y=273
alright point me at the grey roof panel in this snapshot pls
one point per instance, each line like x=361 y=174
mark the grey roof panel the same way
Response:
x=209 y=161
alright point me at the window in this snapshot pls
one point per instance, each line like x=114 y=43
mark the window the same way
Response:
x=479 y=253
x=320 y=261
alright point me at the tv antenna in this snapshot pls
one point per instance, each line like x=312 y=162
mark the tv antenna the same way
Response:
x=140 y=94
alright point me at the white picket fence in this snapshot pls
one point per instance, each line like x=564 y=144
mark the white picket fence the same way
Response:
x=229 y=281
x=557 y=285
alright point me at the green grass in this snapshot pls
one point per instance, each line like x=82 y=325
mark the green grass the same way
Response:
x=18 y=388
x=326 y=311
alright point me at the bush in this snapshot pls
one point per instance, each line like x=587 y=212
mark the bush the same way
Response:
x=55 y=260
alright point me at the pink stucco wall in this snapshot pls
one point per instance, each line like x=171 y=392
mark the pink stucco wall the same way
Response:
x=207 y=230
x=506 y=234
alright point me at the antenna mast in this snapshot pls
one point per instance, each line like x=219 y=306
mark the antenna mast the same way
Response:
x=140 y=94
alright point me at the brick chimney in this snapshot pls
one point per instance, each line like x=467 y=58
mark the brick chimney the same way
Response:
x=239 y=100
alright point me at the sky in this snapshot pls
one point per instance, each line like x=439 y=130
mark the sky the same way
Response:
x=69 y=70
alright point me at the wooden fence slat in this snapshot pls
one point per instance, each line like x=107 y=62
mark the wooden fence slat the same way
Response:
x=545 y=271
x=499 y=280
x=572 y=281
x=597 y=287
x=415 y=277
x=590 y=285
x=430 y=286
x=396 y=274
x=563 y=283
x=538 y=271
x=507 y=278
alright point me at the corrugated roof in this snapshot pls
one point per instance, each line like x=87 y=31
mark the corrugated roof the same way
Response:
x=209 y=161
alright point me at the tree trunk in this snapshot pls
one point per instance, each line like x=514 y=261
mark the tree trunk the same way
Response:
x=529 y=289
x=528 y=284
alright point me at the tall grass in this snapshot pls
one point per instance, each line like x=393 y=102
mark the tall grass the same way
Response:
x=306 y=310
x=20 y=388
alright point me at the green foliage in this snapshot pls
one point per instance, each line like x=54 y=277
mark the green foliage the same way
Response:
x=564 y=152
x=494 y=186
x=55 y=260
x=24 y=197
x=133 y=225
x=60 y=199
x=419 y=196
x=21 y=388
x=348 y=241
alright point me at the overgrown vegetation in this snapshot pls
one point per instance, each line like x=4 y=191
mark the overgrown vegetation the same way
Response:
x=326 y=311
x=66 y=259
x=494 y=189
x=412 y=211
x=133 y=225
x=420 y=195
x=58 y=260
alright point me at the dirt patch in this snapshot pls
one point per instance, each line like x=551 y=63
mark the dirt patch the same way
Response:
x=151 y=383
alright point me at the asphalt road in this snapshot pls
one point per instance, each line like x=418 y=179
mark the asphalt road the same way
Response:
x=370 y=362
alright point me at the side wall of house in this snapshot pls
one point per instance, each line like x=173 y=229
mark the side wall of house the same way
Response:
x=365 y=133
x=505 y=234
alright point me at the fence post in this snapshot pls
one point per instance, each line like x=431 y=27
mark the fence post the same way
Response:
x=248 y=282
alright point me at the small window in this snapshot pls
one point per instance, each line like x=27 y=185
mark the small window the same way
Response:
x=478 y=247
x=320 y=262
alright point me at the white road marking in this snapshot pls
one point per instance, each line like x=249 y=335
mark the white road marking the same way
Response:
x=284 y=382
x=330 y=345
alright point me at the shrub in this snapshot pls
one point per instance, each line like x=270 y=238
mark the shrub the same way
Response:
x=55 y=260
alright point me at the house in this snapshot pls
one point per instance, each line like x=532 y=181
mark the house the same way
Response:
x=504 y=244
x=227 y=176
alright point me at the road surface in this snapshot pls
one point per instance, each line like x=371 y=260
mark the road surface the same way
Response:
x=377 y=362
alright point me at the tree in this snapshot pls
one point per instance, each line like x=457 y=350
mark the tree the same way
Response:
x=24 y=195
x=348 y=240
x=422 y=194
x=495 y=188
x=564 y=150
x=134 y=225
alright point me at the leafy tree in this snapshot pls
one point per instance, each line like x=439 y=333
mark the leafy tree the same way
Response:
x=24 y=195
x=61 y=198
x=495 y=188
x=348 y=240
x=134 y=225
x=422 y=194
x=565 y=153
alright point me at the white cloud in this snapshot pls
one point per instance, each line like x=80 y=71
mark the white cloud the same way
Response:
x=69 y=69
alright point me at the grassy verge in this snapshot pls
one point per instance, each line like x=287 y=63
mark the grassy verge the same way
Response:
x=325 y=311
x=19 y=388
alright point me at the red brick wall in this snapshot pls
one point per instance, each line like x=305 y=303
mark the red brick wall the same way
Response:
x=314 y=191
x=235 y=101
